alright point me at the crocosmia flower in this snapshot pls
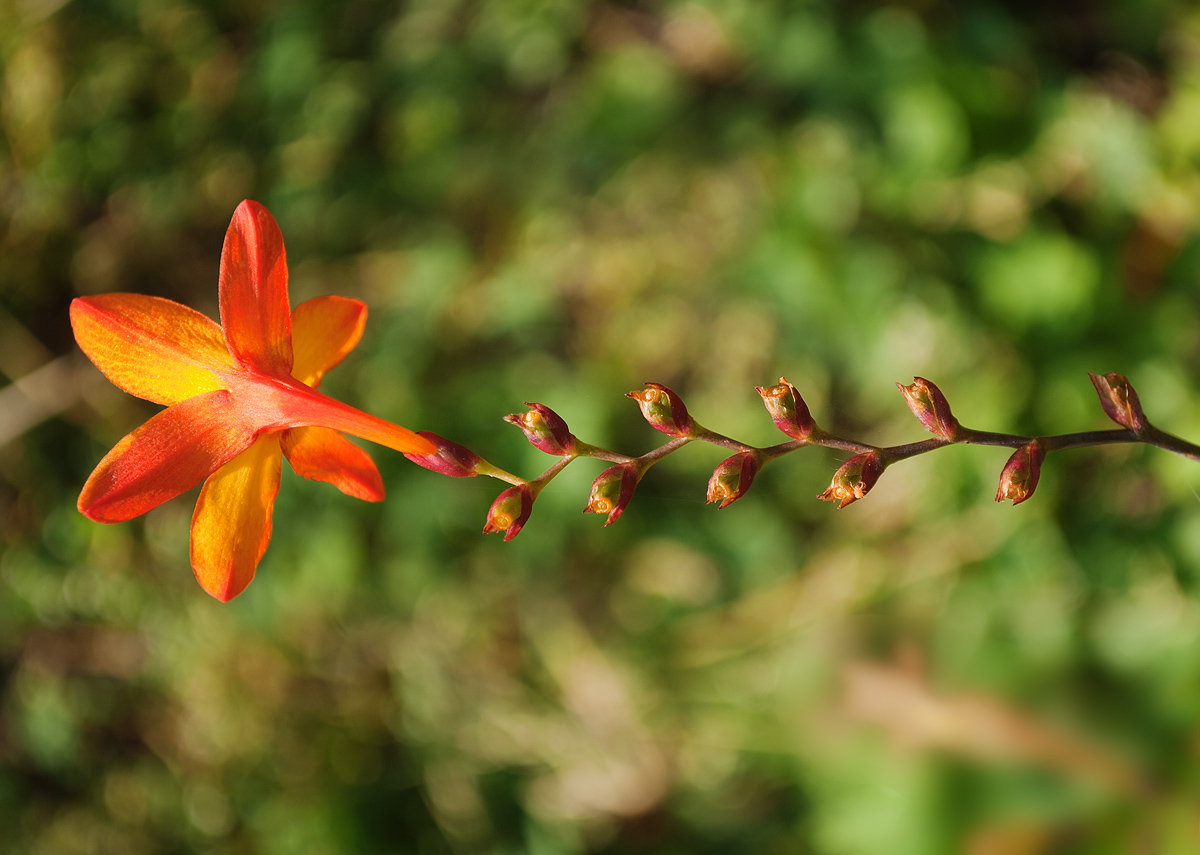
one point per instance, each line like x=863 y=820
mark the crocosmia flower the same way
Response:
x=239 y=397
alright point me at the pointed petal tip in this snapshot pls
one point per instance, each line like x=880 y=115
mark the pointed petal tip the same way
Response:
x=223 y=592
x=252 y=290
x=320 y=454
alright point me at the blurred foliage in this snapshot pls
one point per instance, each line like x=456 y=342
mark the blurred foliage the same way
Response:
x=554 y=200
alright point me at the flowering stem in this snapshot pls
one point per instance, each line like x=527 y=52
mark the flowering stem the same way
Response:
x=651 y=457
x=538 y=483
x=703 y=434
x=665 y=411
x=771 y=452
x=485 y=468
x=896 y=453
x=1161 y=439
x=582 y=449
x=829 y=440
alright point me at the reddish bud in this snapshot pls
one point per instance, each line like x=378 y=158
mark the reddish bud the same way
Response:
x=930 y=406
x=612 y=490
x=854 y=479
x=545 y=429
x=1119 y=400
x=664 y=410
x=787 y=409
x=733 y=477
x=451 y=459
x=1019 y=477
x=510 y=511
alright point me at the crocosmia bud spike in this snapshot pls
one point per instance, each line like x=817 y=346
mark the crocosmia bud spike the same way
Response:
x=787 y=409
x=664 y=410
x=854 y=479
x=612 y=490
x=930 y=406
x=545 y=429
x=1119 y=400
x=733 y=477
x=450 y=458
x=510 y=511
x=1019 y=477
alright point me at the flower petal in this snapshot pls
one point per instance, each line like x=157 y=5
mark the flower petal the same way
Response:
x=278 y=403
x=154 y=348
x=324 y=330
x=173 y=452
x=231 y=525
x=320 y=454
x=253 y=292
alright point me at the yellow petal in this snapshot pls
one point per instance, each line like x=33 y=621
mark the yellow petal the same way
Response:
x=231 y=525
x=320 y=454
x=154 y=348
x=324 y=330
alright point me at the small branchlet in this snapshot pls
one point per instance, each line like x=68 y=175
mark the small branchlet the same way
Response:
x=665 y=411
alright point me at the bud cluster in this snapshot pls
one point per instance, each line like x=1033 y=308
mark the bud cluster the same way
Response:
x=665 y=411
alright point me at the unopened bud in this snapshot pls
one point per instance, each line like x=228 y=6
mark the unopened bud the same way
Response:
x=451 y=459
x=612 y=490
x=930 y=406
x=664 y=410
x=545 y=429
x=854 y=479
x=787 y=409
x=510 y=511
x=733 y=477
x=1019 y=477
x=1119 y=400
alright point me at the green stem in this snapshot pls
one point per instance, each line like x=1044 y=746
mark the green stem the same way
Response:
x=582 y=449
x=703 y=434
x=539 y=483
x=491 y=471
x=651 y=457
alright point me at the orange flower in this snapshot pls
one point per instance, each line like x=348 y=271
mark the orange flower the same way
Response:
x=238 y=396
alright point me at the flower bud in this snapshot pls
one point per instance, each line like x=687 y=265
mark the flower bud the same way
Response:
x=451 y=459
x=1019 y=477
x=787 y=409
x=612 y=490
x=664 y=410
x=545 y=429
x=930 y=406
x=733 y=477
x=510 y=511
x=1119 y=400
x=854 y=479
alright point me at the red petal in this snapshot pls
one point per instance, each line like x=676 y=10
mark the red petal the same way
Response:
x=278 y=403
x=325 y=455
x=173 y=452
x=154 y=348
x=324 y=330
x=231 y=525
x=253 y=292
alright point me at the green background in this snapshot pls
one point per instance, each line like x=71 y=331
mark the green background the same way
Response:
x=555 y=201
